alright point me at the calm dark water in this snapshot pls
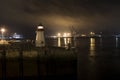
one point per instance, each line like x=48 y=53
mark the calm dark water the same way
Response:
x=97 y=58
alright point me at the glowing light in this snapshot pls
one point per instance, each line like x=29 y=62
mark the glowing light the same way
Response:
x=2 y=35
x=92 y=33
x=83 y=35
x=2 y=30
x=16 y=36
x=40 y=27
x=65 y=41
x=59 y=42
x=68 y=34
x=92 y=46
x=59 y=35
x=65 y=35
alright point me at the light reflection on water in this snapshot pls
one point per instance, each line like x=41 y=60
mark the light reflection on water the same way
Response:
x=93 y=43
x=63 y=42
x=59 y=42
x=67 y=41
x=97 y=58
x=100 y=60
x=92 y=46
x=116 y=42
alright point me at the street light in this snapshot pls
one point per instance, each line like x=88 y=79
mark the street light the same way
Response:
x=2 y=31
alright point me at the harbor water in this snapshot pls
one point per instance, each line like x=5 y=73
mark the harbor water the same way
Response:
x=66 y=58
x=97 y=58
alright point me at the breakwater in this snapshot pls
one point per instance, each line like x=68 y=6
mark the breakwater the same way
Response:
x=23 y=62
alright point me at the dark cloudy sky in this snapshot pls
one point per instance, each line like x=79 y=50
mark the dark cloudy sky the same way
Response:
x=58 y=15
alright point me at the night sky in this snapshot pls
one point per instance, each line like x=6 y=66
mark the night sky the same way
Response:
x=23 y=16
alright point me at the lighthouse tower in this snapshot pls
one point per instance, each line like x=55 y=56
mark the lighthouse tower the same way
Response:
x=40 y=37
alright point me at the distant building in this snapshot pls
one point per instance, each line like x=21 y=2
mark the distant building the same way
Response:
x=17 y=36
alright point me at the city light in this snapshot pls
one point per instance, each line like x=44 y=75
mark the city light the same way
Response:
x=17 y=36
x=68 y=34
x=59 y=34
x=92 y=33
x=65 y=35
x=83 y=35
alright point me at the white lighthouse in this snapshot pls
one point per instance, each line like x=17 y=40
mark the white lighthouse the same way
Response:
x=40 y=37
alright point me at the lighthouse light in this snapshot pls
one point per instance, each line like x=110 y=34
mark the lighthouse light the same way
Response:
x=40 y=27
